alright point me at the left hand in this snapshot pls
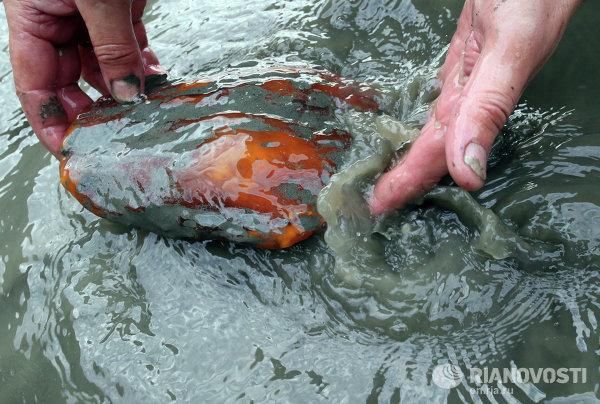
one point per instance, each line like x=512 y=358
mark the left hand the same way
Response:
x=55 y=42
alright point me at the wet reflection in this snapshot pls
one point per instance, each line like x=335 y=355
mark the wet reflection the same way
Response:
x=96 y=312
x=242 y=157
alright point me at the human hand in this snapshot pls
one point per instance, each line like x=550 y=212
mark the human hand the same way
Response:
x=498 y=46
x=55 y=42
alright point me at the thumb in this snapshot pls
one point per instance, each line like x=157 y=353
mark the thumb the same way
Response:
x=488 y=98
x=115 y=46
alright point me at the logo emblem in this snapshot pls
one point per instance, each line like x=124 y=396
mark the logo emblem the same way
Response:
x=447 y=376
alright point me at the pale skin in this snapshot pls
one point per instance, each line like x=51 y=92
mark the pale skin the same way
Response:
x=498 y=47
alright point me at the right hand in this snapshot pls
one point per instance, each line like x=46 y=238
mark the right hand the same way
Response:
x=497 y=48
x=55 y=42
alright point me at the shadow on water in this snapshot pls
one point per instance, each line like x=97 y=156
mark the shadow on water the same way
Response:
x=508 y=276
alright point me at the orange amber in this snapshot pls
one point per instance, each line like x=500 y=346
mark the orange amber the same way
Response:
x=236 y=157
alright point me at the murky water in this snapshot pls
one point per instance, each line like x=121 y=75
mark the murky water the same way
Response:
x=94 y=312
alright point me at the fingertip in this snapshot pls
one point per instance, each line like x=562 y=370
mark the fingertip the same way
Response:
x=467 y=180
x=420 y=169
x=155 y=70
x=376 y=206
x=469 y=171
x=468 y=145
x=52 y=138
x=392 y=191
x=152 y=66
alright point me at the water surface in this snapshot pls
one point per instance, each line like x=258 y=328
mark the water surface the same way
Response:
x=93 y=312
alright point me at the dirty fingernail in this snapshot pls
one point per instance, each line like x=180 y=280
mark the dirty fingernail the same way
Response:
x=127 y=89
x=476 y=158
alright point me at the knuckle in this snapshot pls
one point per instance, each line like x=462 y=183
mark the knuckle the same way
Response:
x=493 y=108
x=111 y=55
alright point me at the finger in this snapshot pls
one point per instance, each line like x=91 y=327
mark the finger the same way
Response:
x=425 y=162
x=109 y=23
x=151 y=63
x=488 y=98
x=91 y=73
x=511 y=57
x=457 y=44
x=90 y=69
x=149 y=58
x=423 y=166
x=73 y=100
x=37 y=91
x=51 y=99
x=45 y=76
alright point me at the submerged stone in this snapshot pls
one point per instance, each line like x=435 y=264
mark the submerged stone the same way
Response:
x=239 y=157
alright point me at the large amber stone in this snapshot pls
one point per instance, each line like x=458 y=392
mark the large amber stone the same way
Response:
x=240 y=157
